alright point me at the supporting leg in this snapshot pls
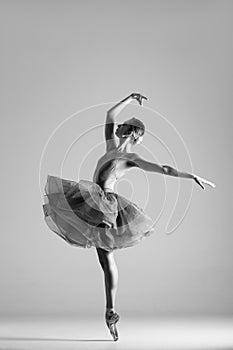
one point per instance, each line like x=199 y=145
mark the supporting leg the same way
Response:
x=110 y=270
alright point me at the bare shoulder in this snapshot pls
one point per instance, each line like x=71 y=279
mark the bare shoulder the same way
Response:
x=108 y=155
x=114 y=154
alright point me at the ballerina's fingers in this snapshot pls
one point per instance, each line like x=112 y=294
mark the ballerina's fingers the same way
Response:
x=201 y=182
x=207 y=182
x=210 y=184
x=141 y=98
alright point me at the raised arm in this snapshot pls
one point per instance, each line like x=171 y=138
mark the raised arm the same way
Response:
x=137 y=161
x=115 y=110
x=110 y=118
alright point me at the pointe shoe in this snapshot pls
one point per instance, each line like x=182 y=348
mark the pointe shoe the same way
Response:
x=111 y=319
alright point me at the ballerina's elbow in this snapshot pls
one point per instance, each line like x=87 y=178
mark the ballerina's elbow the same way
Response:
x=110 y=114
x=168 y=170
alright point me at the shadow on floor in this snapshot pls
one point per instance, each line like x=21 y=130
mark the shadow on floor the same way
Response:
x=53 y=339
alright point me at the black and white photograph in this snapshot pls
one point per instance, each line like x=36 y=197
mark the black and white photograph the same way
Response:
x=116 y=171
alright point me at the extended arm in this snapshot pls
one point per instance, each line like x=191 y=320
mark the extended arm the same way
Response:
x=154 y=167
x=162 y=169
x=167 y=170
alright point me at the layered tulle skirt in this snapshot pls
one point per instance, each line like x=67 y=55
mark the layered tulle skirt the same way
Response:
x=85 y=215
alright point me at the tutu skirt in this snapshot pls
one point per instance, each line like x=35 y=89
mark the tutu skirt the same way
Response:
x=85 y=215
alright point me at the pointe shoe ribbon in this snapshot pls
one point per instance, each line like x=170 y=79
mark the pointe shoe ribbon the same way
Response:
x=111 y=319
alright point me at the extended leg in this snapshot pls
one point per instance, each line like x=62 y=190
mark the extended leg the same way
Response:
x=109 y=267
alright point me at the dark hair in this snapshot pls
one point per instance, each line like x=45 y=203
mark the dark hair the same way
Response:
x=135 y=125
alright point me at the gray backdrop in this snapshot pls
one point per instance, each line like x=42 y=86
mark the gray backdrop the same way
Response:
x=58 y=57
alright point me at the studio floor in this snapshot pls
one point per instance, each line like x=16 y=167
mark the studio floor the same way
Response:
x=144 y=333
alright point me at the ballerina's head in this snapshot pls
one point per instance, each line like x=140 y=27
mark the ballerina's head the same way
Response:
x=132 y=127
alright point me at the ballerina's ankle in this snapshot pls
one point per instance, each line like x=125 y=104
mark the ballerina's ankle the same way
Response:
x=110 y=310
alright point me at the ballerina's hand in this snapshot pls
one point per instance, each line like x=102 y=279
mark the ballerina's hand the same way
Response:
x=200 y=181
x=138 y=97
